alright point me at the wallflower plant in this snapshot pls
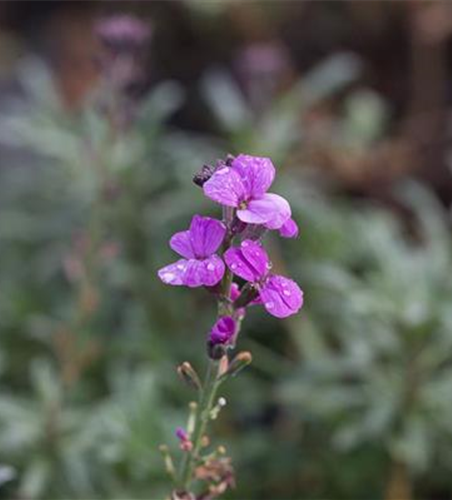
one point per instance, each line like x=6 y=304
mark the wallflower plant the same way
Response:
x=228 y=259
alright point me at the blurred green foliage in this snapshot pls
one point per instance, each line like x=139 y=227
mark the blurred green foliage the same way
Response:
x=90 y=338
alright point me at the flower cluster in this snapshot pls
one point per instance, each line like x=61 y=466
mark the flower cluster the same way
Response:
x=123 y=40
x=215 y=252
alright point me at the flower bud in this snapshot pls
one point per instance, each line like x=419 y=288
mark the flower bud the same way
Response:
x=187 y=373
x=169 y=465
x=184 y=439
x=220 y=337
x=242 y=360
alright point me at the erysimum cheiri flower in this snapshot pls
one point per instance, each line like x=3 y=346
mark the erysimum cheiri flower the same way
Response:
x=280 y=296
x=243 y=185
x=240 y=185
x=201 y=266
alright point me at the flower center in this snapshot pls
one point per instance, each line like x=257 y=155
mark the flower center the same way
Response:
x=243 y=205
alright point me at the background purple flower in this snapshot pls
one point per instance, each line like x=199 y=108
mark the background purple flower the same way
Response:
x=201 y=266
x=244 y=186
x=123 y=32
x=281 y=296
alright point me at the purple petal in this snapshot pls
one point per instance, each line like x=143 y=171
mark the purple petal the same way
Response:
x=235 y=292
x=289 y=229
x=257 y=173
x=180 y=243
x=225 y=187
x=249 y=261
x=207 y=272
x=193 y=272
x=281 y=296
x=271 y=210
x=174 y=274
x=182 y=434
x=256 y=256
x=206 y=235
x=222 y=331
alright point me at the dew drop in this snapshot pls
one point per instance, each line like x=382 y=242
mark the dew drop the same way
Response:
x=245 y=244
x=168 y=277
x=286 y=293
x=233 y=266
x=210 y=266
x=180 y=266
x=269 y=305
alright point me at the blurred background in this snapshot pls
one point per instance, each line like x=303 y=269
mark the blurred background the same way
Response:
x=99 y=139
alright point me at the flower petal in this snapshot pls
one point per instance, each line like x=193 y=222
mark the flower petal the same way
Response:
x=256 y=256
x=289 y=229
x=206 y=235
x=207 y=272
x=174 y=274
x=234 y=292
x=249 y=261
x=271 y=210
x=222 y=331
x=257 y=173
x=225 y=187
x=181 y=243
x=281 y=296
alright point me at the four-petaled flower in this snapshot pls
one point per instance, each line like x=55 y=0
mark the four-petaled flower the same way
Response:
x=201 y=266
x=244 y=185
x=281 y=296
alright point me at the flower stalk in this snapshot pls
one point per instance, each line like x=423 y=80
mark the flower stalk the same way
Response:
x=203 y=415
x=213 y=253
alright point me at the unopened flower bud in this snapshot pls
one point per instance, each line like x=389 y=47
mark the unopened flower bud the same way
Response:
x=217 y=408
x=242 y=360
x=184 y=439
x=220 y=337
x=187 y=373
x=169 y=465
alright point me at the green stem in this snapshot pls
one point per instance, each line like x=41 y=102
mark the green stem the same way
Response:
x=212 y=380
x=206 y=402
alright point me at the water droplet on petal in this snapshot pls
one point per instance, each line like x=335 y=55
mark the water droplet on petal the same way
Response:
x=210 y=266
x=180 y=266
x=269 y=305
x=245 y=243
x=168 y=277
x=286 y=293
x=269 y=265
x=233 y=266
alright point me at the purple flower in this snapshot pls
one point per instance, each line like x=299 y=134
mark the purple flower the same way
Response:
x=289 y=229
x=281 y=296
x=123 y=32
x=201 y=266
x=182 y=434
x=244 y=185
x=222 y=331
x=184 y=439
